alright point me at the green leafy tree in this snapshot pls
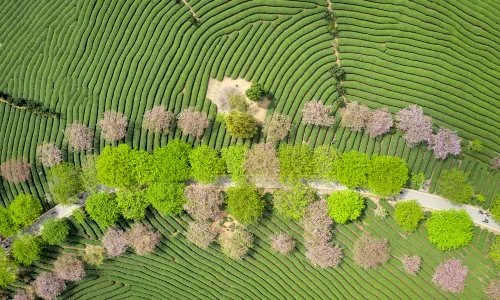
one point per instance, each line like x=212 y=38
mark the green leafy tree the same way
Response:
x=65 y=183
x=25 y=209
x=353 y=168
x=345 y=206
x=7 y=226
x=132 y=204
x=453 y=185
x=495 y=208
x=206 y=164
x=89 y=172
x=495 y=250
x=245 y=203
x=296 y=163
x=144 y=168
x=79 y=215
x=103 y=208
x=234 y=157
x=26 y=249
x=325 y=161
x=55 y=231
x=450 y=229
x=172 y=162
x=476 y=146
x=240 y=124
x=255 y=92
x=480 y=198
x=167 y=198
x=238 y=102
x=417 y=180
x=408 y=215
x=8 y=269
x=388 y=175
x=293 y=202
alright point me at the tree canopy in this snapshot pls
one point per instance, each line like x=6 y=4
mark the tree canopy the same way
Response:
x=292 y=203
x=55 y=231
x=234 y=157
x=255 y=92
x=408 y=215
x=206 y=164
x=353 y=168
x=454 y=186
x=450 y=229
x=65 y=183
x=245 y=203
x=387 y=175
x=26 y=249
x=296 y=163
x=25 y=209
x=167 y=198
x=8 y=269
x=172 y=162
x=345 y=206
x=240 y=124
x=103 y=208
x=132 y=204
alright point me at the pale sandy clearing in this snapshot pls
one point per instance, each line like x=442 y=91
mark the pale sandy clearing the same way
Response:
x=217 y=89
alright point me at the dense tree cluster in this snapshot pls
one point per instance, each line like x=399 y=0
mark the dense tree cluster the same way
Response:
x=450 y=275
x=171 y=162
x=353 y=168
x=282 y=243
x=142 y=239
x=445 y=142
x=103 y=208
x=344 y=206
x=234 y=157
x=245 y=203
x=262 y=163
x=115 y=242
x=132 y=204
x=79 y=136
x=192 y=122
x=454 y=186
x=369 y=252
x=206 y=164
x=48 y=286
x=203 y=202
x=158 y=119
x=15 y=170
x=277 y=126
x=387 y=175
x=416 y=126
x=450 y=229
x=26 y=249
x=167 y=198
x=201 y=233
x=69 y=268
x=48 y=154
x=411 y=264
x=408 y=215
x=325 y=161
x=235 y=244
x=316 y=113
x=113 y=126
x=65 y=182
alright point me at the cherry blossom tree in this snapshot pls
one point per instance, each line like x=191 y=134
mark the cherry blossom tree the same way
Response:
x=355 y=116
x=411 y=264
x=48 y=154
x=201 y=233
x=235 y=245
x=193 y=122
x=115 y=242
x=142 y=239
x=379 y=122
x=79 y=136
x=416 y=126
x=113 y=125
x=23 y=295
x=445 y=142
x=158 y=119
x=15 y=170
x=277 y=126
x=69 y=268
x=203 y=202
x=48 y=286
x=325 y=255
x=262 y=163
x=369 y=252
x=493 y=290
x=317 y=224
x=316 y=113
x=450 y=275
x=495 y=163
x=282 y=243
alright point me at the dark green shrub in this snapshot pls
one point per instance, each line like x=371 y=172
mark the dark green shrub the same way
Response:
x=103 y=208
x=255 y=92
x=245 y=203
x=55 y=231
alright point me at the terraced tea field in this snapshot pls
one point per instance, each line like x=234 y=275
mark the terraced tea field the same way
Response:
x=179 y=270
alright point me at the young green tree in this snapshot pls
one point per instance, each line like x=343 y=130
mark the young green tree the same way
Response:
x=55 y=231
x=206 y=164
x=172 y=162
x=245 y=203
x=103 y=208
x=255 y=92
x=325 y=161
x=292 y=203
x=8 y=269
x=387 y=175
x=495 y=208
x=345 y=206
x=7 y=226
x=234 y=157
x=25 y=209
x=408 y=215
x=79 y=215
x=296 y=163
x=132 y=204
x=353 y=168
x=89 y=173
x=454 y=186
x=167 y=198
x=476 y=146
x=450 y=229
x=240 y=124
x=417 y=180
x=495 y=251
x=26 y=249
x=65 y=183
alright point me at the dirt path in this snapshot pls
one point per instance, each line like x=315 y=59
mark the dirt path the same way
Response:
x=335 y=45
x=190 y=9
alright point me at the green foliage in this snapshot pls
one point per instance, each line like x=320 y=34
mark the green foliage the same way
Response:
x=79 y=215
x=7 y=225
x=480 y=198
x=167 y=198
x=245 y=203
x=65 y=183
x=132 y=204
x=495 y=208
x=345 y=206
x=476 y=146
x=495 y=250
x=238 y=102
x=206 y=164
x=123 y=167
x=450 y=229
x=353 y=168
x=325 y=162
x=296 y=163
x=103 y=208
x=453 y=186
x=387 y=175
x=25 y=209
x=89 y=173
x=172 y=162
x=292 y=203
x=240 y=124
x=55 y=231
x=408 y=215
x=26 y=249
x=234 y=157
x=255 y=92
x=417 y=180
x=8 y=269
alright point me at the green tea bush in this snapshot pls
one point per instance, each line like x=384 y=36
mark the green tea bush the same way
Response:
x=450 y=229
x=345 y=206
x=408 y=215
